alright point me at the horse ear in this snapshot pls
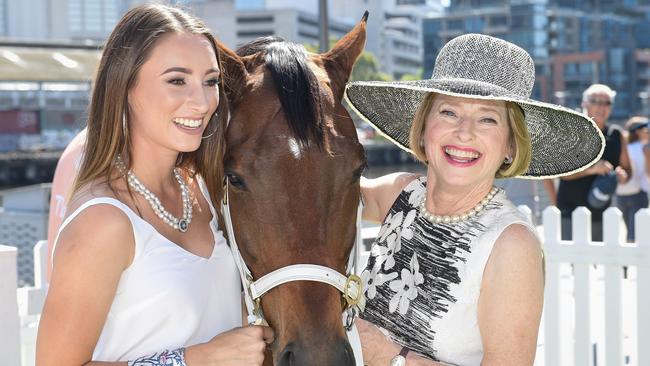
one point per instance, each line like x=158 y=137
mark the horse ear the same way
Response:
x=341 y=58
x=234 y=72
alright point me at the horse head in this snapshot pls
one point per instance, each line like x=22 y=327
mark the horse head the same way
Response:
x=292 y=165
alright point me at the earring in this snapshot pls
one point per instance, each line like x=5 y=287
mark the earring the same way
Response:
x=216 y=116
x=507 y=160
x=124 y=125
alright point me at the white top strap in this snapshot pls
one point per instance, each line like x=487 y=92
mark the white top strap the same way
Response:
x=91 y=202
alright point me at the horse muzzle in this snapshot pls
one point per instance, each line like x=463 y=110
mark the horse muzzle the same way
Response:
x=338 y=353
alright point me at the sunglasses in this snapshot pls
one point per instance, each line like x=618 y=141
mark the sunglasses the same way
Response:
x=600 y=102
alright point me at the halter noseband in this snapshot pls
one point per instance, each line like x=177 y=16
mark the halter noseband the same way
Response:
x=350 y=286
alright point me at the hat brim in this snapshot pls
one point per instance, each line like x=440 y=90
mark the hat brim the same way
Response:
x=563 y=141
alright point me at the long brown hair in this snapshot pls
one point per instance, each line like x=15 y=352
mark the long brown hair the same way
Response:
x=127 y=49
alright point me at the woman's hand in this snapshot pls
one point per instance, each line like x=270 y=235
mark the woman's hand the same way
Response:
x=621 y=174
x=239 y=346
x=378 y=349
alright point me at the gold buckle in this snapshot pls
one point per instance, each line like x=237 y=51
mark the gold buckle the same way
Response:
x=353 y=301
x=257 y=310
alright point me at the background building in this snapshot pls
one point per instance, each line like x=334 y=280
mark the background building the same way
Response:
x=59 y=20
x=394 y=31
x=574 y=44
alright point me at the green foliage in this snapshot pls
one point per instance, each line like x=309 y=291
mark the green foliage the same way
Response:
x=366 y=68
x=412 y=77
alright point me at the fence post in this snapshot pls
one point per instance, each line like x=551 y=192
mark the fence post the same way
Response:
x=642 y=237
x=612 y=219
x=581 y=234
x=31 y=299
x=524 y=209
x=551 y=225
x=9 y=322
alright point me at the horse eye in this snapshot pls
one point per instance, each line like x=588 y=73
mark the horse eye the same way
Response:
x=235 y=180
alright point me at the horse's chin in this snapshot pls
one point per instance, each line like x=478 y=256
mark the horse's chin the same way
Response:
x=337 y=353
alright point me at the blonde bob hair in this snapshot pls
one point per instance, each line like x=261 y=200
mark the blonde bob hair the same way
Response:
x=519 y=137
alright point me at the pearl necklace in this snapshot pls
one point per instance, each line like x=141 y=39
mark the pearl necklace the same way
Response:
x=441 y=219
x=180 y=224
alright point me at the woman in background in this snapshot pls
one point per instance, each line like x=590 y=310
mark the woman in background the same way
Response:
x=632 y=195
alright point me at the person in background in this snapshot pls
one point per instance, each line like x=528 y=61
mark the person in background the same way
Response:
x=574 y=190
x=632 y=195
x=64 y=175
x=141 y=274
x=456 y=274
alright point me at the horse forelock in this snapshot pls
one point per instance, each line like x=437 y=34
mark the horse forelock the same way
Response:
x=296 y=84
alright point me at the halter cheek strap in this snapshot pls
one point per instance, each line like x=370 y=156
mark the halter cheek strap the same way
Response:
x=349 y=285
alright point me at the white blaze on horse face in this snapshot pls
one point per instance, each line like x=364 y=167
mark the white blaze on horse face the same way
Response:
x=294 y=148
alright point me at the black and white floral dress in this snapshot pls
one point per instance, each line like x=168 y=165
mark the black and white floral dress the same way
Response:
x=423 y=280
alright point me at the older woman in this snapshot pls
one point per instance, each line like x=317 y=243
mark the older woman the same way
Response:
x=456 y=273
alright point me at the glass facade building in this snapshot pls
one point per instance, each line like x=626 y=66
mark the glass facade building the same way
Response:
x=574 y=43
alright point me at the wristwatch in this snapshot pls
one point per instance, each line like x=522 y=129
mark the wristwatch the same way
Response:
x=400 y=359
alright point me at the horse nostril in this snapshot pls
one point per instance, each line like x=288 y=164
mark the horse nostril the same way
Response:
x=287 y=357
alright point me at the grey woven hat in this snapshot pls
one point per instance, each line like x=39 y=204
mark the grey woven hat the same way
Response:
x=479 y=66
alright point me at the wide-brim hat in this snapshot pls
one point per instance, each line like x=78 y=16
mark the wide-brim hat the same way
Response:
x=478 y=66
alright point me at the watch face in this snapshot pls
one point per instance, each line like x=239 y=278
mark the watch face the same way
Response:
x=398 y=360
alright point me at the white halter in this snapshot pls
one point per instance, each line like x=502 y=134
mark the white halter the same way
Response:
x=350 y=285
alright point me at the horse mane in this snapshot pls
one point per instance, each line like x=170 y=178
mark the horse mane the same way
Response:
x=297 y=87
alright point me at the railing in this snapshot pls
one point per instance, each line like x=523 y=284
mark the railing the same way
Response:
x=603 y=276
x=20 y=308
x=583 y=280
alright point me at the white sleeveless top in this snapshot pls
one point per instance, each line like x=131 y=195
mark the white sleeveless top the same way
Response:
x=639 y=179
x=423 y=280
x=168 y=297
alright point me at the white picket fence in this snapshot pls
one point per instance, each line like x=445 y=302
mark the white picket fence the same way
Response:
x=612 y=255
x=572 y=270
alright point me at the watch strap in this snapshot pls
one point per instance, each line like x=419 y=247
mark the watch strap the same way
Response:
x=404 y=351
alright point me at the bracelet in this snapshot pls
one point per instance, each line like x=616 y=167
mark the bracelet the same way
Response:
x=165 y=358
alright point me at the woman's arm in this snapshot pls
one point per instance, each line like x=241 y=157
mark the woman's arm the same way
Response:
x=511 y=300
x=91 y=253
x=549 y=185
x=601 y=167
x=379 y=349
x=380 y=193
x=646 y=155
x=624 y=168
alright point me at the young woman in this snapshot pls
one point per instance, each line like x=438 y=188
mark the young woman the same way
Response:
x=142 y=275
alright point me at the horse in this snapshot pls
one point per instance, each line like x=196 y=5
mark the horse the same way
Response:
x=292 y=165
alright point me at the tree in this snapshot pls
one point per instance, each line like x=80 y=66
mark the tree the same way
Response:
x=412 y=77
x=366 y=68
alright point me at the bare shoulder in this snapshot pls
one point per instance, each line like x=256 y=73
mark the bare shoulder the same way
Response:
x=517 y=252
x=517 y=241
x=99 y=231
